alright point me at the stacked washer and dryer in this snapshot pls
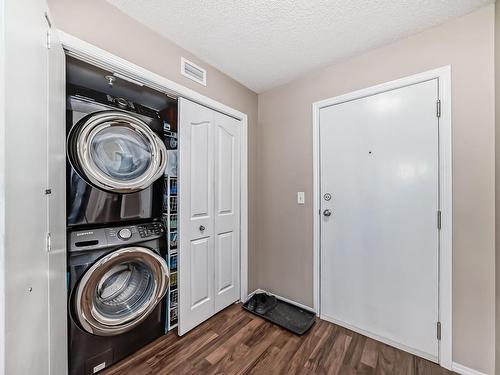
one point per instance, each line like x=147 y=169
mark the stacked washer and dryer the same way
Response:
x=117 y=272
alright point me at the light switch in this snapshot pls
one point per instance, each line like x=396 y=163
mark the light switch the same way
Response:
x=300 y=197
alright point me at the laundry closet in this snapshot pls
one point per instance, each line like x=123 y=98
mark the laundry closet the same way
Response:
x=152 y=206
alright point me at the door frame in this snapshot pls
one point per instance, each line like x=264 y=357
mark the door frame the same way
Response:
x=443 y=75
x=96 y=56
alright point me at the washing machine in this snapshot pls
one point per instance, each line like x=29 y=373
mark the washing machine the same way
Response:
x=115 y=159
x=117 y=281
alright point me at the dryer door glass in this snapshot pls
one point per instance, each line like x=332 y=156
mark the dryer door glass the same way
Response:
x=120 y=290
x=116 y=152
x=121 y=153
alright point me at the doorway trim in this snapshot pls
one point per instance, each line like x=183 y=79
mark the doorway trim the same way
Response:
x=87 y=52
x=443 y=75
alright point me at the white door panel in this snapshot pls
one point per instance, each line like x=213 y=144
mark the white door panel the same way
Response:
x=209 y=194
x=201 y=168
x=225 y=171
x=227 y=213
x=224 y=254
x=201 y=278
x=379 y=247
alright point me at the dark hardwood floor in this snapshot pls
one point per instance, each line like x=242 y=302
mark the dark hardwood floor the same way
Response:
x=237 y=342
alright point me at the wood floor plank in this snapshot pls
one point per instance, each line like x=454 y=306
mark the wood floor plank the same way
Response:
x=276 y=357
x=182 y=355
x=360 y=369
x=352 y=358
x=386 y=359
x=333 y=362
x=322 y=348
x=244 y=332
x=242 y=357
x=197 y=362
x=266 y=364
x=369 y=355
x=297 y=362
x=237 y=342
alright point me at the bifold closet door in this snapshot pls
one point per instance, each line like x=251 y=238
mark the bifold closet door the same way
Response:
x=227 y=211
x=209 y=190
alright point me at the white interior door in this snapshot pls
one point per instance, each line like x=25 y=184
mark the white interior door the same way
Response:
x=227 y=211
x=380 y=245
x=209 y=175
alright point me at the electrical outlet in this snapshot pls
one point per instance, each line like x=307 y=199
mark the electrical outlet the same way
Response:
x=300 y=197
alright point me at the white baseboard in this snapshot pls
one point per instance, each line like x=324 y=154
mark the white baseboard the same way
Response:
x=461 y=369
x=303 y=307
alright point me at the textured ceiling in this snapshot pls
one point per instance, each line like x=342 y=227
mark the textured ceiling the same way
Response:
x=264 y=43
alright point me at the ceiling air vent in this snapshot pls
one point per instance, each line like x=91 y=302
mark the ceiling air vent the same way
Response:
x=193 y=71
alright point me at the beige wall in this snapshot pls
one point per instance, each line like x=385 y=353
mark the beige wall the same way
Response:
x=99 y=23
x=284 y=159
x=497 y=181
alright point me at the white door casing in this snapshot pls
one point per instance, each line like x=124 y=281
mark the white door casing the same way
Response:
x=56 y=205
x=442 y=113
x=209 y=231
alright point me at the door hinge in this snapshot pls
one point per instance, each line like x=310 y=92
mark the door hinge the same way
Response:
x=48 y=39
x=438 y=330
x=438 y=108
x=47 y=18
x=439 y=219
x=48 y=242
x=49 y=24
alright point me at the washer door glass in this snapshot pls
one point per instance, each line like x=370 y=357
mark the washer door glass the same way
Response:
x=120 y=290
x=116 y=151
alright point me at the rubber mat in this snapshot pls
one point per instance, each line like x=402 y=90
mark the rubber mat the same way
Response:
x=286 y=315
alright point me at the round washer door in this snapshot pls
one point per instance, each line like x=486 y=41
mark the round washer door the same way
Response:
x=120 y=290
x=116 y=152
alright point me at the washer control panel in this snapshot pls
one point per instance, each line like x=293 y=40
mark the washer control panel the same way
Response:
x=92 y=239
x=125 y=234
x=151 y=229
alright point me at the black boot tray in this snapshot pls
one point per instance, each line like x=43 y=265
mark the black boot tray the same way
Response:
x=288 y=316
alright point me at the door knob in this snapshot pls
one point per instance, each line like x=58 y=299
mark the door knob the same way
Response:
x=202 y=228
x=327 y=212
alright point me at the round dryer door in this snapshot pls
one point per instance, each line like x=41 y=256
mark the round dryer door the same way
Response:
x=116 y=152
x=120 y=290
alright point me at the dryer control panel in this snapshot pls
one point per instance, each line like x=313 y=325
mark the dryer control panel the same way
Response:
x=125 y=104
